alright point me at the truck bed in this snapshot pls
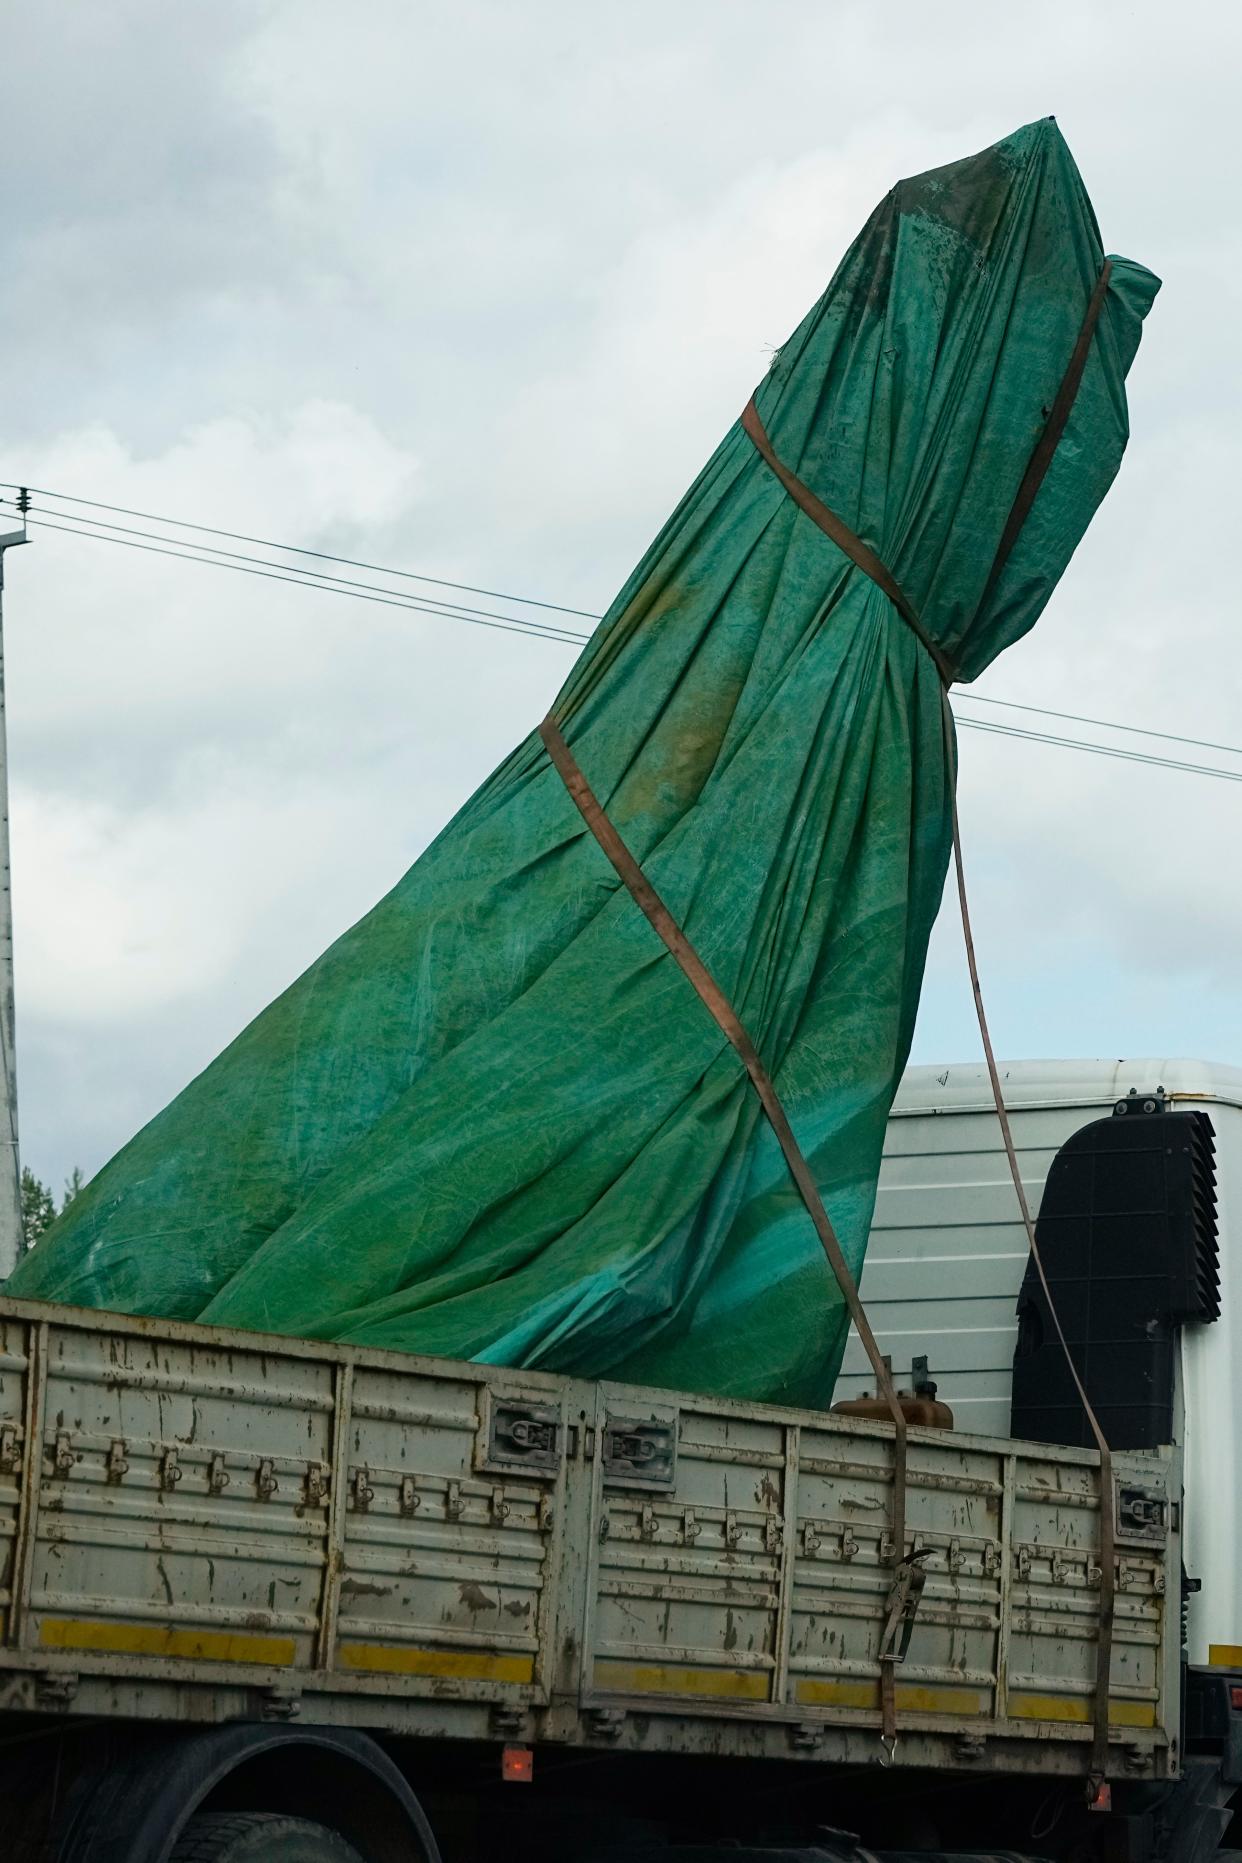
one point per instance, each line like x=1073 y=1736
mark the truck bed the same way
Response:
x=203 y=1525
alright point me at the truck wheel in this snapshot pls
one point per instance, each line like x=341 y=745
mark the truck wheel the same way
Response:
x=259 y=1837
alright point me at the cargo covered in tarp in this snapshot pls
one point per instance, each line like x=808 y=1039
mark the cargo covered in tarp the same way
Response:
x=494 y=1121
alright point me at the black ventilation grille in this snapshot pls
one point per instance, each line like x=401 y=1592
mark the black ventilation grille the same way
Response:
x=1127 y=1234
x=1205 y=1247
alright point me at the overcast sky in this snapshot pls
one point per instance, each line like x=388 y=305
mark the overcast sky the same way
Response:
x=474 y=289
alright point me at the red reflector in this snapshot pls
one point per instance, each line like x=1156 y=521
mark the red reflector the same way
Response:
x=1103 y=1800
x=517 y=1765
x=1235 y=1697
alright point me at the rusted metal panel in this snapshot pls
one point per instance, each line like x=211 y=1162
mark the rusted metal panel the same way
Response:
x=177 y=1504
x=199 y=1523
x=446 y=1545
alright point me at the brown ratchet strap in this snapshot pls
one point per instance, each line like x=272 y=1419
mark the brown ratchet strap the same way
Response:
x=845 y=539
x=727 y=1021
x=866 y=559
x=1108 y=1528
x=1049 y=439
x=908 y=1579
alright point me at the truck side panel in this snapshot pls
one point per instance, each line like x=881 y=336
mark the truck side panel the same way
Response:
x=214 y=1525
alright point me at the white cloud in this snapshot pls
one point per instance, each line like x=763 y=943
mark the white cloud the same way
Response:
x=475 y=290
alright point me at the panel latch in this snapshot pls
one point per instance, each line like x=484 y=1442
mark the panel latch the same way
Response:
x=640 y=1451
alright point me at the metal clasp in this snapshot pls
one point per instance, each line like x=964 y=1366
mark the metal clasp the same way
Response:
x=903 y=1604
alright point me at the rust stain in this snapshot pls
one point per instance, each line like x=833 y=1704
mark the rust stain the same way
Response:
x=475 y=1598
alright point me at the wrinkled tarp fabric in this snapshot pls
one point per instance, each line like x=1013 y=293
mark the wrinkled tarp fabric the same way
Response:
x=494 y=1121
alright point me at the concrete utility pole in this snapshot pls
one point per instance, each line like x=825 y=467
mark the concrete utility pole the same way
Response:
x=10 y=1167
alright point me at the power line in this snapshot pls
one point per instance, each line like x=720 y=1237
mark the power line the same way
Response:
x=1106 y=724
x=312 y=579
x=297 y=549
x=1098 y=750
x=180 y=549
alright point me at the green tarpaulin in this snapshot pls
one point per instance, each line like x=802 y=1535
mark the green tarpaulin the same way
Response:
x=494 y=1120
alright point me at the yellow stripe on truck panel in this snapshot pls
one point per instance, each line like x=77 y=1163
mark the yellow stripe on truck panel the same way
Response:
x=119 y=1639
x=636 y=1678
x=1074 y=1708
x=463 y=1665
x=1225 y=1655
x=912 y=1697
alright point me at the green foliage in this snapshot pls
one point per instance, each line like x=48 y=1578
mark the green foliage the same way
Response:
x=39 y=1210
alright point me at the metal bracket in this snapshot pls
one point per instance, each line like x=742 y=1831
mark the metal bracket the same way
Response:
x=116 y=1465
x=217 y=1475
x=265 y=1480
x=500 y=1508
x=10 y=1447
x=56 y=1690
x=170 y=1469
x=507 y=1719
x=361 y=1493
x=848 y=1544
x=453 y=1503
x=281 y=1702
x=318 y=1483
x=806 y=1735
x=408 y=1498
x=773 y=1532
x=604 y=1723
x=732 y=1532
x=63 y=1457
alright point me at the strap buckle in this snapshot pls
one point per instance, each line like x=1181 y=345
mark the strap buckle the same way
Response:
x=903 y=1604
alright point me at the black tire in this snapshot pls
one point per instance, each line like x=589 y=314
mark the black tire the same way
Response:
x=259 y=1837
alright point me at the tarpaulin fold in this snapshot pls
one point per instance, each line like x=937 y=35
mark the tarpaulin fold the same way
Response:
x=493 y=1120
